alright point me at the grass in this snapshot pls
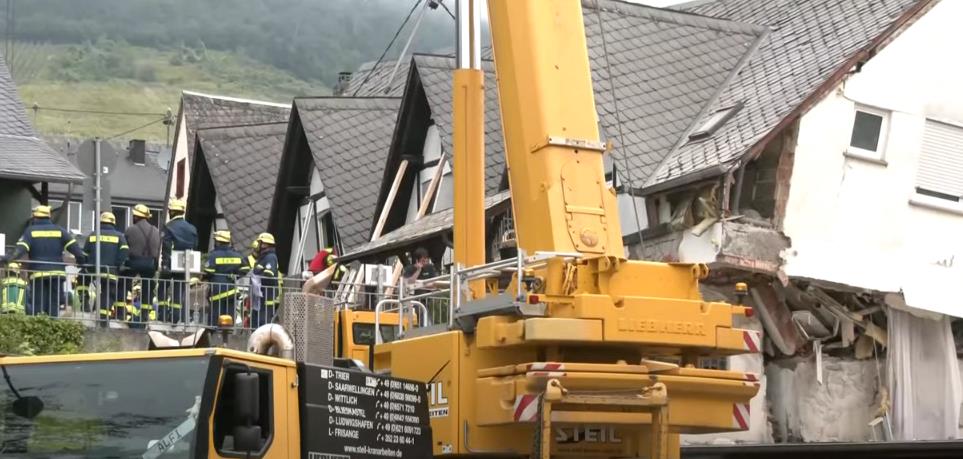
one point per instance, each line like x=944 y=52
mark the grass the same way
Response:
x=154 y=87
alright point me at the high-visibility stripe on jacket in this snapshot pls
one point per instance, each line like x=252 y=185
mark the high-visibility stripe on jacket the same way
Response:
x=13 y=295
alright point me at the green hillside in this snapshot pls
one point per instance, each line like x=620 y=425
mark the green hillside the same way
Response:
x=117 y=77
x=136 y=56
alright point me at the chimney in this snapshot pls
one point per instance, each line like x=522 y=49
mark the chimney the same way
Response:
x=344 y=79
x=136 y=152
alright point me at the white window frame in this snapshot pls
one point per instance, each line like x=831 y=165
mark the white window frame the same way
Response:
x=80 y=217
x=880 y=153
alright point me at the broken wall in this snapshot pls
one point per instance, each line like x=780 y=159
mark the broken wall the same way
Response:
x=857 y=219
x=838 y=410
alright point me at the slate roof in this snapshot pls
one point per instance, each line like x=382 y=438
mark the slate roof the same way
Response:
x=666 y=67
x=23 y=156
x=427 y=227
x=349 y=139
x=436 y=73
x=206 y=111
x=243 y=162
x=378 y=84
x=808 y=42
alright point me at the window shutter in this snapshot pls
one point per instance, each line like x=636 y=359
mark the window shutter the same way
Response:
x=941 y=159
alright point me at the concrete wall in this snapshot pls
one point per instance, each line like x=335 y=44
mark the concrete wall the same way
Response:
x=838 y=410
x=858 y=213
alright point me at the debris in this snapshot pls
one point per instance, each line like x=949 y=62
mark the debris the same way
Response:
x=842 y=312
x=863 y=347
x=776 y=319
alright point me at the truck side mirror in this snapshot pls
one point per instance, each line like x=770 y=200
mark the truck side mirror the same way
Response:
x=247 y=409
x=247 y=438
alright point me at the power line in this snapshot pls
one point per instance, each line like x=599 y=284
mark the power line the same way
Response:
x=443 y=5
x=136 y=129
x=95 y=112
x=618 y=120
x=387 y=48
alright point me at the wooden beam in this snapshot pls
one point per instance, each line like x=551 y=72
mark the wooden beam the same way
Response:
x=422 y=211
x=389 y=202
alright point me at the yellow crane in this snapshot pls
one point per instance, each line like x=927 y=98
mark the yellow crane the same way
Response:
x=561 y=362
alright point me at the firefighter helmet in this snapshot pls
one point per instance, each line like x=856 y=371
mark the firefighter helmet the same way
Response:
x=177 y=205
x=41 y=212
x=222 y=236
x=265 y=238
x=108 y=217
x=141 y=211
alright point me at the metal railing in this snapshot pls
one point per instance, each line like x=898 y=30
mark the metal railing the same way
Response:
x=124 y=301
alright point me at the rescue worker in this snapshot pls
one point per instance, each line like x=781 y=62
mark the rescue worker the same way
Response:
x=44 y=242
x=113 y=254
x=145 y=240
x=222 y=270
x=178 y=235
x=13 y=291
x=324 y=259
x=268 y=274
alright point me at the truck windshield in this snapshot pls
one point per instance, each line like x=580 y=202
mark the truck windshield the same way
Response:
x=127 y=408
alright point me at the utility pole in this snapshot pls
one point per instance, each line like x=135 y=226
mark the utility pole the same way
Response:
x=97 y=205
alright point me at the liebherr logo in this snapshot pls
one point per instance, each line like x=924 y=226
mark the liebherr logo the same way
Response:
x=661 y=326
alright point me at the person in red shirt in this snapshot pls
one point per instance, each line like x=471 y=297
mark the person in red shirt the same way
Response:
x=321 y=260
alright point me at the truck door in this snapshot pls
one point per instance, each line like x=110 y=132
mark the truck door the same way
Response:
x=249 y=419
x=356 y=332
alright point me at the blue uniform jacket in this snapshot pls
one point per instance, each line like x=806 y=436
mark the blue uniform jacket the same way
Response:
x=223 y=265
x=113 y=248
x=267 y=267
x=45 y=242
x=178 y=235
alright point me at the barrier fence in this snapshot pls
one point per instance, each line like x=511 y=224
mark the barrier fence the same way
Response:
x=119 y=300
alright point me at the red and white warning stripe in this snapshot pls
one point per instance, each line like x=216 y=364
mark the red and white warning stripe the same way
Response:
x=546 y=370
x=740 y=416
x=526 y=408
x=546 y=366
x=752 y=340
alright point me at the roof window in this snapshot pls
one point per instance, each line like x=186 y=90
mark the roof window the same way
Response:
x=714 y=122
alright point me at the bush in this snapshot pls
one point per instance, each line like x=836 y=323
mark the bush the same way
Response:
x=39 y=335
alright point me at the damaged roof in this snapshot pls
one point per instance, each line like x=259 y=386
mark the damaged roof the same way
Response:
x=809 y=43
x=243 y=165
x=23 y=156
x=427 y=227
x=349 y=140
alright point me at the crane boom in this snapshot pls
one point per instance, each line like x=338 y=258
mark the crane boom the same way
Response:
x=561 y=348
x=561 y=200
